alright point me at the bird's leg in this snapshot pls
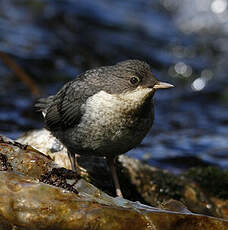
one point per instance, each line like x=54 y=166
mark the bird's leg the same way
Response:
x=111 y=163
x=73 y=161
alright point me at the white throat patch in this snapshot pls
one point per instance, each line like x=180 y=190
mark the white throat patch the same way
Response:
x=120 y=103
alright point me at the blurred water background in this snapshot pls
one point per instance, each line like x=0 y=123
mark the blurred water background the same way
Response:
x=186 y=43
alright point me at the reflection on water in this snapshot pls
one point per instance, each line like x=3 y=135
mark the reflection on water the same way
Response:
x=185 y=42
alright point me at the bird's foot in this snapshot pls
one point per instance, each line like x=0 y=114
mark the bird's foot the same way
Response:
x=81 y=169
x=119 y=193
x=111 y=163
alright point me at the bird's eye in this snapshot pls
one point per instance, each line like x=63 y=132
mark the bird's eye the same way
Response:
x=134 y=80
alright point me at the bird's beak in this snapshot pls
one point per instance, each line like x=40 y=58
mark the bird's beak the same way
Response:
x=162 y=85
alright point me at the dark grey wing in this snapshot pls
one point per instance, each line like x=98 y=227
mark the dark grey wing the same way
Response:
x=65 y=109
x=42 y=104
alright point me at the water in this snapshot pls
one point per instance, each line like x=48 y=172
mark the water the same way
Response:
x=184 y=41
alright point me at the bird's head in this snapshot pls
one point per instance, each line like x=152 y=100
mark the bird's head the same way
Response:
x=128 y=77
x=135 y=73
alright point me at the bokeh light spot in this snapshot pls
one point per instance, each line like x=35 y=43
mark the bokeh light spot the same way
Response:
x=183 y=69
x=218 y=6
x=199 y=84
x=207 y=73
x=180 y=67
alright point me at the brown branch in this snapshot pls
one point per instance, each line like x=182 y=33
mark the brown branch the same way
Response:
x=20 y=73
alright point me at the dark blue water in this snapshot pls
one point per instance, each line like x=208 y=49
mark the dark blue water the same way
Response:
x=184 y=41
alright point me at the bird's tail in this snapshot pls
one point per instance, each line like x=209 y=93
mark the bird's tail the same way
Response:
x=42 y=104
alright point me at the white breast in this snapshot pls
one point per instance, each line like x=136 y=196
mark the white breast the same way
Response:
x=108 y=120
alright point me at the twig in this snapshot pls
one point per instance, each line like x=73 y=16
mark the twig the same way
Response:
x=20 y=73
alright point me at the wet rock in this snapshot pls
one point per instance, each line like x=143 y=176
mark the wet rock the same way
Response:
x=158 y=186
x=29 y=161
x=4 y=165
x=140 y=182
x=61 y=177
x=28 y=203
x=211 y=179
x=24 y=159
x=43 y=141
x=174 y=205
x=48 y=207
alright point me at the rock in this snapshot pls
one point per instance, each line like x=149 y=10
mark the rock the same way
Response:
x=158 y=186
x=28 y=203
x=43 y=141
x=24 y=159
x=28 y=161
x=144 y=183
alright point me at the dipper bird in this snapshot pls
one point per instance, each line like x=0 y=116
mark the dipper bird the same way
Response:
x=104 y=111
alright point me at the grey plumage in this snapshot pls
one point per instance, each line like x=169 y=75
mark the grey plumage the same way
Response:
x=105 y=111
